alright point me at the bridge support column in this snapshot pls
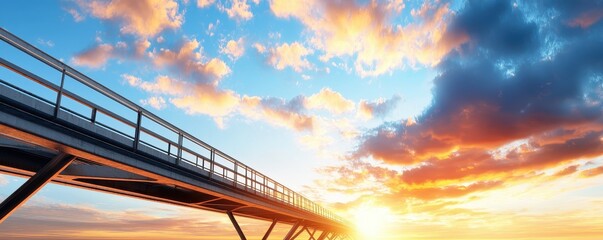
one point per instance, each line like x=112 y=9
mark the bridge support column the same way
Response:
x=298 y=233
x=269 y=230
x=292 y=231
x=34 y=184
x=236 y=225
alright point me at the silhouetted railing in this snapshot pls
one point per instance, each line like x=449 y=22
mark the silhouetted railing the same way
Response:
x=185 y=149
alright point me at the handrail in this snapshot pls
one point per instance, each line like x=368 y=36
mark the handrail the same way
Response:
x=240 y=175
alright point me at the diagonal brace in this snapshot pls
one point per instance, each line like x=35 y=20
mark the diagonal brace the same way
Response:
x=292 y=231
x=323 y=235
x=311 y=233
x=269 y=230
x=34 y=184
x=298 y=233
x=236 y=225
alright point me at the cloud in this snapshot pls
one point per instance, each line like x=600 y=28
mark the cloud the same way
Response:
x=205 y=99
x=60 y=221
x=480 y=103
x=234 y=49
x=77 y=16
x=47 y=43
x=205 y=3
x=99 y=54
x=379 y=108
x=587 y=18
x=592 y=172
x=187 y=59
x=259 y=47
x=193 y=98
x=239 y=9
x=329 y=100
x=369 y=33
x=289 y=55
x=94 y=57
x=155 y=102
x=145 y=18
x=279 y=112
x=516 y=106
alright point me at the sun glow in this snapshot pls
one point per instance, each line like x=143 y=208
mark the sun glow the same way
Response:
x=371 y=221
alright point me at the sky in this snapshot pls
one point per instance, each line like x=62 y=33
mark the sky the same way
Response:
x=412 y=119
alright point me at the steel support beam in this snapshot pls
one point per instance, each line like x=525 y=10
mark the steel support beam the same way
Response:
x=311 y=233
x=34 y=184
x=236 y=225
x=298 y=233
x=334 y=236
x=269 y=230
x=292 y=231
x=323 y=235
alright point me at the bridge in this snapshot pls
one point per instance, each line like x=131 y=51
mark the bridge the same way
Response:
x=50 y=132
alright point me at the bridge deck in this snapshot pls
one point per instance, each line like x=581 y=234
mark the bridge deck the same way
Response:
x=133 y=157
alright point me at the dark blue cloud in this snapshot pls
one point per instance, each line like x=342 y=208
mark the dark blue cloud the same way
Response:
x=515 y=78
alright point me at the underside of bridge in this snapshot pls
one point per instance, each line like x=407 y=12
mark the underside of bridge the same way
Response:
x=41 y=165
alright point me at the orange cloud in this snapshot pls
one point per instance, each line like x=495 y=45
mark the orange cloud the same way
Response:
x=239 y=9
x=587 y=18
x=205 y=3
x=95 y=57
x=341 y=29
x=98 y=55
x=329 y=100
x=144 y=18
x=194 y=98
x=289 y=55
x=592 y=172
x=188 y=60
x=205 y=99
x=155 y=102
x=234 y=49
x=63 y=221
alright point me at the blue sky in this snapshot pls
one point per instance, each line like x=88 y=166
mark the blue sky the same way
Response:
x=424 y=111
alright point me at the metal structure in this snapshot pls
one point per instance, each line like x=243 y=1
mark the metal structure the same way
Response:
x=127 y=150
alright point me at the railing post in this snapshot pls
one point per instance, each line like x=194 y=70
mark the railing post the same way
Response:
x=169 y=148
x=212 y=158
x=137 y=132
x=93 y=115
x=57 y=104
x=180 y=140
x=236 y=172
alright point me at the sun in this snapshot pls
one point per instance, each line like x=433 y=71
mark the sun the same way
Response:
x=371 y=221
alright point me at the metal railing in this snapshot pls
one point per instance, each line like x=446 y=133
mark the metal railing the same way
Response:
x=217 y=165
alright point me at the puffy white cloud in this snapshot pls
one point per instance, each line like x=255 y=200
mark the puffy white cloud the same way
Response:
x=290 y=55
x=234 y=49
x=189 y=61
x=239 y=9
x=329 y=100
x=368 y=33
x=155 y=102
